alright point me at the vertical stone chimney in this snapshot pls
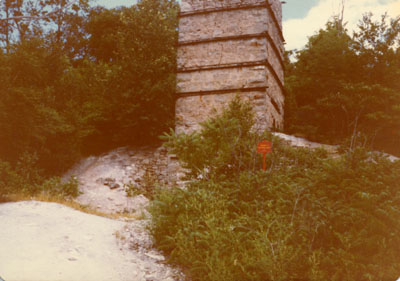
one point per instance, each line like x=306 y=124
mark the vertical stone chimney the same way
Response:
x=228 y=48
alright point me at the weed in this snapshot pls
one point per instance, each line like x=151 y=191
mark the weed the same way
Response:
x=146 y=187
x=308 y=217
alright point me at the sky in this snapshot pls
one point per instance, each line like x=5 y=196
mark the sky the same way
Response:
x=303 y=18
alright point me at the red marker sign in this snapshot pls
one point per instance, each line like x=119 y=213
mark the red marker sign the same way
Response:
x=264 y=147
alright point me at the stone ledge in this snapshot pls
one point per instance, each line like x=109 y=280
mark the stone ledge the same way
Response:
x=222 y=79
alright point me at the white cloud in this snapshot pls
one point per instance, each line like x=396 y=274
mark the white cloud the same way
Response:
x=297 y=31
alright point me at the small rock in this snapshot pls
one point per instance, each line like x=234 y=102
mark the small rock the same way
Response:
x=155 y=257
x=109 y=181
x=100 y=181
x=72 y=259
x=151 y=277
x=173 y=157
x=114 y=186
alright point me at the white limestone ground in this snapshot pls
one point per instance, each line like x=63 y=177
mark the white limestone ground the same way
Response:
x=331 y=149
x=302 y=142
x=51 y=242
x=103 y=178
x=48 y=241
x=93 y=171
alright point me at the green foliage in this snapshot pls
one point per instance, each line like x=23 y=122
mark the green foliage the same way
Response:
x=42 y=107
x=56 y=187
x=26 y=179
x=309 y=217
x=9 y=179
x=138 y=44
x=342 y=86
x=227 y=144
x=145 y=187
x=82 y=81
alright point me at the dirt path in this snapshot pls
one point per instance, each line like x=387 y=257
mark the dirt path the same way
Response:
x=48 y=241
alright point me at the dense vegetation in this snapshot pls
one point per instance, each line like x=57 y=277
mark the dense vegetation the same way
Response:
x=346 y=89
x=76 y=79
x=309 y=217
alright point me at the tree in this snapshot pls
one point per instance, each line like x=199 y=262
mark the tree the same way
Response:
x=138 y=44
x=60 y=21
x=344 y=87
x=43 y=108
x=67 y=21
x=64 y=92
x=9 y=8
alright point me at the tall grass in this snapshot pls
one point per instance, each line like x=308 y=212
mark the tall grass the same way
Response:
x=308 y=217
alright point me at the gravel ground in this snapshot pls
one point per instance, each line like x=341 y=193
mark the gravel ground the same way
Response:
x=51 y=242
x=48 y=241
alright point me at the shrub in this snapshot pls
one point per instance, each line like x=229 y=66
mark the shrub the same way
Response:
x=56 y=187
x=8 y=178
x=309 y=217
x=146 y=187
x=26 y=179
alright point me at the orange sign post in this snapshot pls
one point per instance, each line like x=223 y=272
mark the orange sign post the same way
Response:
x=264 y=147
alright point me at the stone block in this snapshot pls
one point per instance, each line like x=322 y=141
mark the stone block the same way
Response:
x=226 y=52
x=223 y=24
x=190 y=111
x=221 y=79
x=196 y=5
x=227 y=45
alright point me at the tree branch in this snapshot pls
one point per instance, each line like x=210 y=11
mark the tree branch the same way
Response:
x=40 y=17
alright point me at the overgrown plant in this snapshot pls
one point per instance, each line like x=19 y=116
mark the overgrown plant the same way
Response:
x=225 y=147
x=344 y=85
x=146 y=187
x=26 y=179
x=80 y=83
x=309 y=217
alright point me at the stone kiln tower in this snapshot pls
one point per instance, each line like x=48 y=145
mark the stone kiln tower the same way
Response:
x=229 y=47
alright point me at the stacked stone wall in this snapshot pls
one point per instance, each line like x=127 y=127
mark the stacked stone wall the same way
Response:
x=196 y=5
x=226 y=52
x=226 y=48
x=275 y=90
x=222 y=79
x=251 y=21
x=276 y=7
x=275 y=62
x=189 y=116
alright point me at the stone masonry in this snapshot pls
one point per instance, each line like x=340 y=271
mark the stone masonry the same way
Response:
x=229 y=47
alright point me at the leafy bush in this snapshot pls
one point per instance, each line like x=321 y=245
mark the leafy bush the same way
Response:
x=344 y=85
x=26 y=179
x=146 y=187
x=309 y=217
x=8 y=178
x=102 y=78
x=56 y=187
x=138 y=47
